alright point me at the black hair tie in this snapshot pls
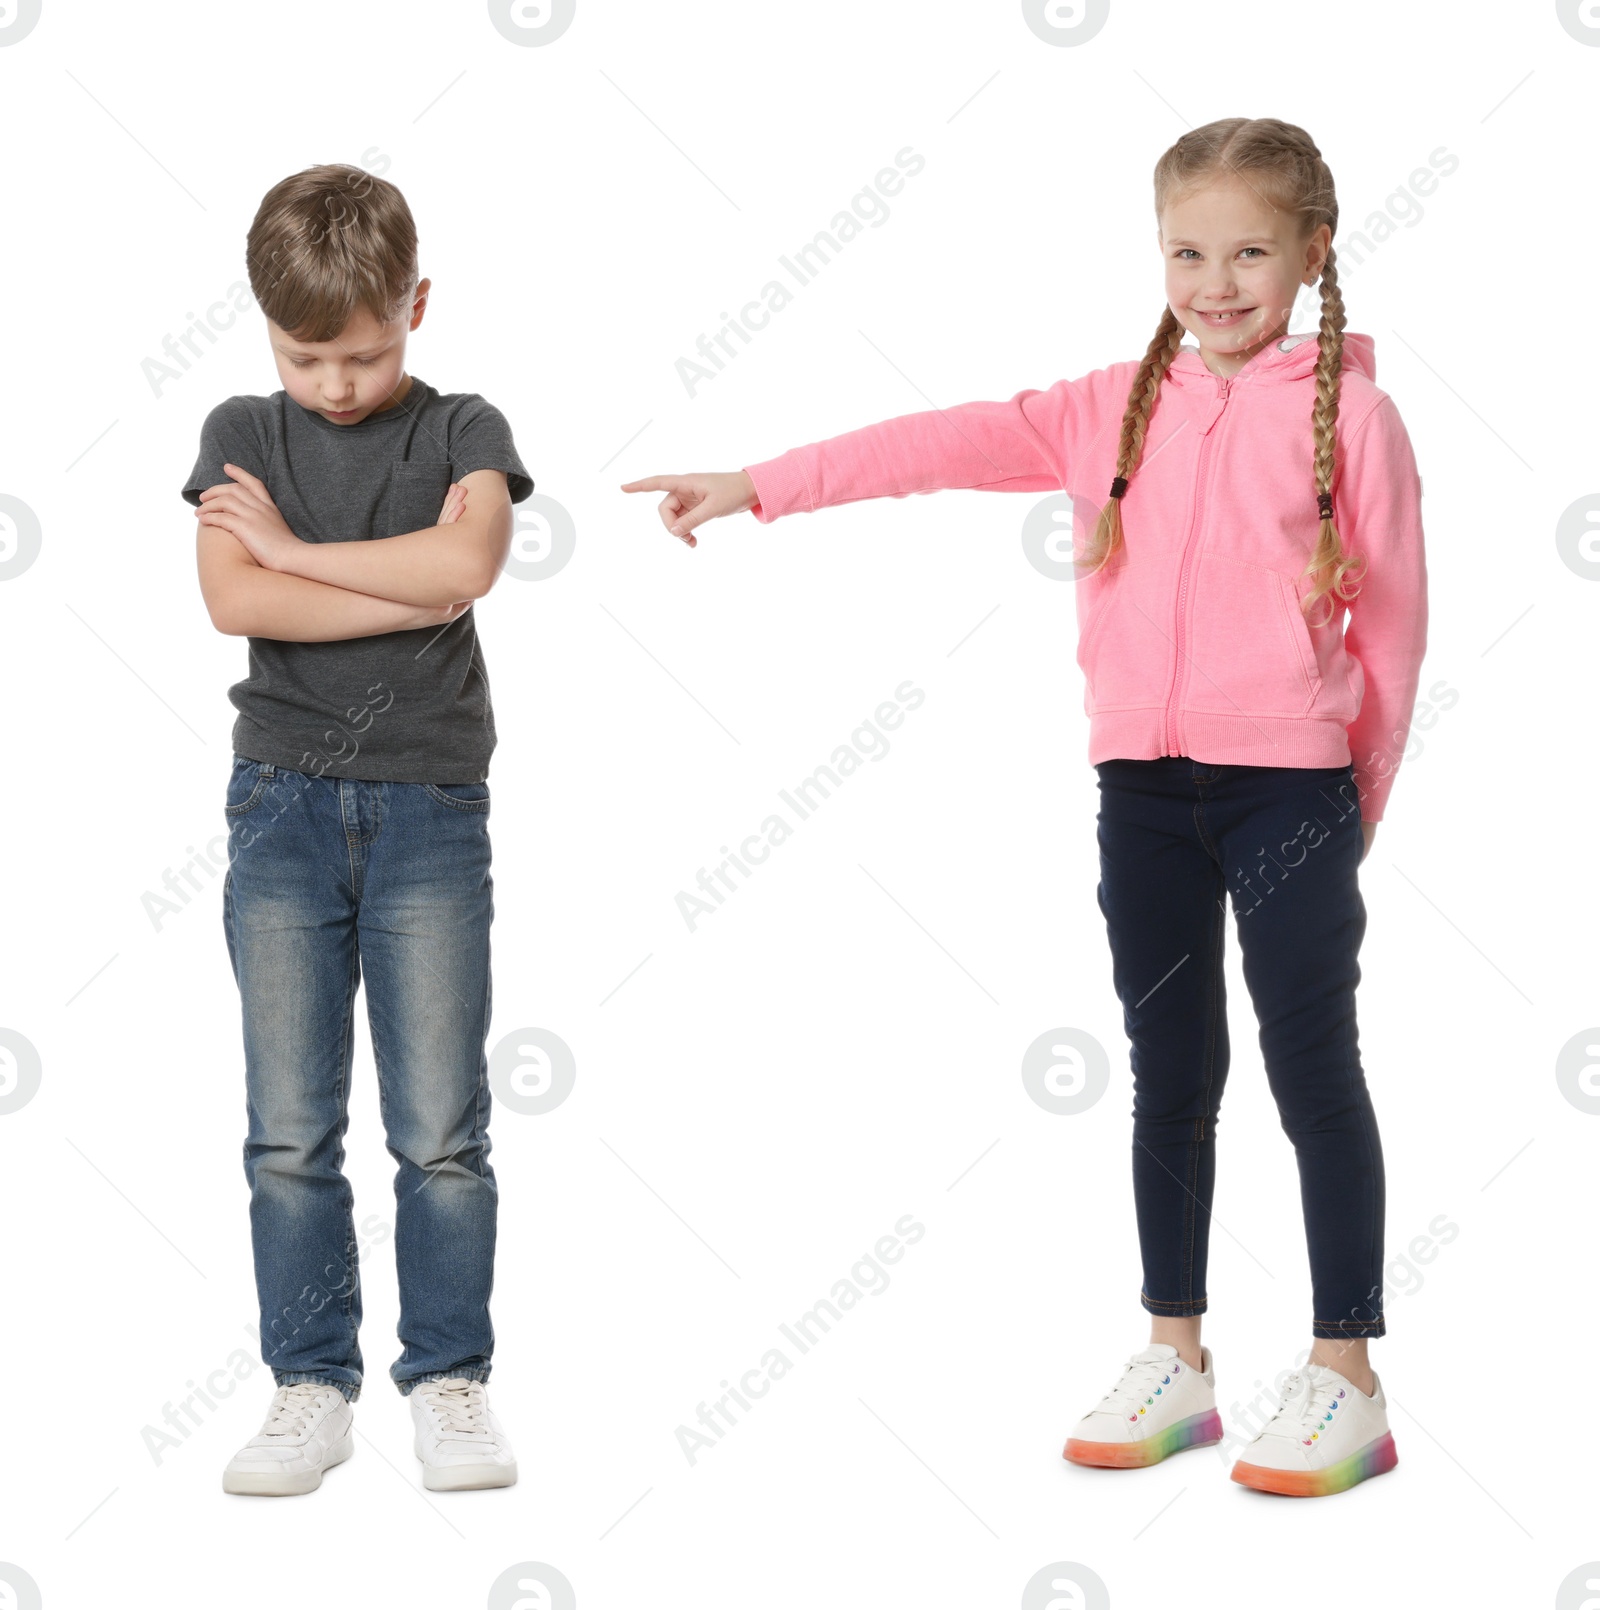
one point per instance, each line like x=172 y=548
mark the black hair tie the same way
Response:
x=1325 y=505
x=1119 y=486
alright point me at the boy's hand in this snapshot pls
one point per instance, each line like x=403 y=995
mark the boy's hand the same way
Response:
x=1369 y=831
x=244 y=507
x=693 y=499
x=455 y=504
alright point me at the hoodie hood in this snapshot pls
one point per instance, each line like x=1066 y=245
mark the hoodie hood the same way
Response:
x=1292 y=358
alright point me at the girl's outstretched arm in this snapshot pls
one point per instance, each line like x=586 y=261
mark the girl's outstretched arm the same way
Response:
x=1023 y=445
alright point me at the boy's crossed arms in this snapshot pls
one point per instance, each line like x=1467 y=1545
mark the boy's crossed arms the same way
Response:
x=260 y=580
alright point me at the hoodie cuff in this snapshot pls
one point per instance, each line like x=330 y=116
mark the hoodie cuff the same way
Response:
x=781 y=488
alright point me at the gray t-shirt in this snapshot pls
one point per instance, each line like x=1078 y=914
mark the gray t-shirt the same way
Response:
x=400 y=707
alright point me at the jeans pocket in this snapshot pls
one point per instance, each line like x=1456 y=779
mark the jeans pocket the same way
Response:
x=460 y=796
x=246 y=784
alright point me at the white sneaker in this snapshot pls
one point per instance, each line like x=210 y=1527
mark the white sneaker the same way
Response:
x=1326 y=1436
x=459 y=1441
x=307 y=1431
x=1160 y=1406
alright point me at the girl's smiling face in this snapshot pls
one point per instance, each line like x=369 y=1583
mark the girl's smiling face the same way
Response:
x=1234 y=265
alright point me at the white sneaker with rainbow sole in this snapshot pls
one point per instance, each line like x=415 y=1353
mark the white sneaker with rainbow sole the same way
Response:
x=1325 y=1437
x=1160 y=1406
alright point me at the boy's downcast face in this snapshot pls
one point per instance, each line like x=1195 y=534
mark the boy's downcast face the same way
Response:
x=361 y=371
x=1234 y=266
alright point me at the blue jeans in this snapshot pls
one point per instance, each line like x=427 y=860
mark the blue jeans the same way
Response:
x=329 y=877
x=1283 y=844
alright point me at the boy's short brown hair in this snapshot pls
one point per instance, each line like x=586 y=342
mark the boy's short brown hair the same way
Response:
x=327 y=241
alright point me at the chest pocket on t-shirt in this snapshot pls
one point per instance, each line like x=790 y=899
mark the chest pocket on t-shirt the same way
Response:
x=414 y=496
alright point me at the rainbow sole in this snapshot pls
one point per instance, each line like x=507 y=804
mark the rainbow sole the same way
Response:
x=1197 y=1431
x=1373 y=1460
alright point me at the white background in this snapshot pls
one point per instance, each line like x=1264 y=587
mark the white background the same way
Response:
x=840 y=1045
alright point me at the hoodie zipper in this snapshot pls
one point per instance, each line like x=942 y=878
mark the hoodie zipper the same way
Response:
x=1170 y=723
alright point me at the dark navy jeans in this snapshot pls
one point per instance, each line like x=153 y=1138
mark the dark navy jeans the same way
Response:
x=1179 y=842
x=329 y=879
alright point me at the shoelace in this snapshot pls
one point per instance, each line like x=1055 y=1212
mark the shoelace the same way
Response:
x=1141 y=1379
x=460 y=1406
x=1311 y=1403
x=291 y=1408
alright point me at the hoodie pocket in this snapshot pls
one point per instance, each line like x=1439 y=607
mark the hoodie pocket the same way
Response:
x=1248 y=644
x=1123 y=652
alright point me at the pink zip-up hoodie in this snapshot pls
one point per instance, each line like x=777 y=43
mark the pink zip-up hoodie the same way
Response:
x=1192 y=640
